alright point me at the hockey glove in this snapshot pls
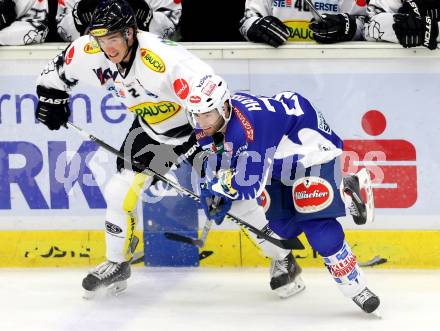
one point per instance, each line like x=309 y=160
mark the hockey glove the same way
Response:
x=142 y=12
x=215 y=206
x=7 y=13
x=83 y=13
x=53 y=107
x=412 y=31
x=429 y=8
x=333 y=28
x=269 y=30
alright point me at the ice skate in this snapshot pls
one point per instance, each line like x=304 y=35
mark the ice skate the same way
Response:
x=362 y=212
x=110 y=275
x=285 y=277
x=367 y=300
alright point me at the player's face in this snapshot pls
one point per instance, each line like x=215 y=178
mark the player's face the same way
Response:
x=210 y=122
x=114 y=46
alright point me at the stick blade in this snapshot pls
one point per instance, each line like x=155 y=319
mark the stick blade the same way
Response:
x=180 y=238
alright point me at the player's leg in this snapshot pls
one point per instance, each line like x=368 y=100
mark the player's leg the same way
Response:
x=122 y=195
x=326 y=236
x=285 y=272
x=285 y=277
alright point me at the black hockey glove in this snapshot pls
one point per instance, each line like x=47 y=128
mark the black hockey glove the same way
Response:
x=82 y=14
x=7 y=13
x=142 y=12
x=269 y=30
x=429 y=8
x=333 y=28
x=412 y=31
x=53 y=107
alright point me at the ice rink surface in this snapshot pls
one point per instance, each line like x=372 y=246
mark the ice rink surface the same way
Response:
x=197 y=299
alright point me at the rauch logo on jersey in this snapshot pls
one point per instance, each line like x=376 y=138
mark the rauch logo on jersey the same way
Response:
x=152 y=60
x=156 y=112
x=311 y=194
x=92 y=48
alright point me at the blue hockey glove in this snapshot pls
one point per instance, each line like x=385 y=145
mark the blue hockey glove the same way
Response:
x=215 y=206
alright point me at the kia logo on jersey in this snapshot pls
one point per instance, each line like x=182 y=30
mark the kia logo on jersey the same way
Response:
x=181 y=88
x=311 y=194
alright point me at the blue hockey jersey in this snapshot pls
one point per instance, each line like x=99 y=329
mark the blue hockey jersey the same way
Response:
x=271 y=137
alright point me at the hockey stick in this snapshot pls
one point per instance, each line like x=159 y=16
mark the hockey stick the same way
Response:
x=286 y=244
x=316 y=15
x=187 y=240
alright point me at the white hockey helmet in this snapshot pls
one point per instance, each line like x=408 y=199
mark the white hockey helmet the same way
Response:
x=208 y=93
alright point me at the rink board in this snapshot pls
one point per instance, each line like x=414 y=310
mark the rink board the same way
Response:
x=402 y=249
x=52 y=204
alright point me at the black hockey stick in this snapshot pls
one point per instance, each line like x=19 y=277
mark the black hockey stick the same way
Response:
x=286 y=244
x=187 y=240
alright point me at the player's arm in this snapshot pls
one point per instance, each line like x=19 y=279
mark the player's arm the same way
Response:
x=387 y=21
x=67 y=25
x=163 y=18
x=53 y=85
x=259 y=25
x=30 y=25
x=344 y=26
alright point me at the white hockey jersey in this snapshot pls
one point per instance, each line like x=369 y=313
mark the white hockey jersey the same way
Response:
x=379 y=21
x=30 y=26
x=296 y=14
x=153 y=87
x=166 y=16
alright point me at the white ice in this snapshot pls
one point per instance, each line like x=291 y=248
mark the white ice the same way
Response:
x=201 y=299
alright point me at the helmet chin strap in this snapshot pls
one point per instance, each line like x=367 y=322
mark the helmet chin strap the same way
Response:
x=127 y=53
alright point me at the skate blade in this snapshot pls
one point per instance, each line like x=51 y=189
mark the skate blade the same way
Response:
x=117 y=287
x=113 y=290
x=291 y=289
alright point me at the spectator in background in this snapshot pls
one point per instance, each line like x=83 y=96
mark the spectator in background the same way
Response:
x=274 y=22
x=199 y=24
x=157 y=16
x=410 y=23
x=23 y=22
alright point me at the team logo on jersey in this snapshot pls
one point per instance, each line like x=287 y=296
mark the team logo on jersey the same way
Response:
x=247 y=126
x=92 y=47
x=264 y=200
x=194 y=99
x=181 y=88
x=152 y=60
x=156 y=112
x=69 y=56
x=311 y=194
